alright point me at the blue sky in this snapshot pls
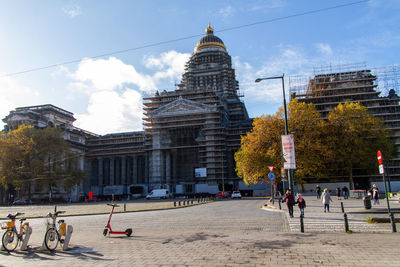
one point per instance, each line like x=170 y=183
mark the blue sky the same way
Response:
x=105 y=93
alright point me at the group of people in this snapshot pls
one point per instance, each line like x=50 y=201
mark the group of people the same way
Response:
x=339 y=192
x=325 y=197
x=291 y=201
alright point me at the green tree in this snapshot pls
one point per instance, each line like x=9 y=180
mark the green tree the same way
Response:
x=353 y=137
x=38 y=156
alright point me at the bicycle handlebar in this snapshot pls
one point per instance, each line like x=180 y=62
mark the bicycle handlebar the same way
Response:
x=113 y=205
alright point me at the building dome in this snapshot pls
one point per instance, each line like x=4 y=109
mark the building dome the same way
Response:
x=209 y=41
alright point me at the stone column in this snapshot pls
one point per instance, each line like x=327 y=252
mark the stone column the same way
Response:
x=135 y=178
x=100 y=172
x=123 y=171
x=167 y=167
x=112 y=160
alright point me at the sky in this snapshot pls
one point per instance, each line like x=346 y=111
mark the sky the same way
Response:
x=116 y=52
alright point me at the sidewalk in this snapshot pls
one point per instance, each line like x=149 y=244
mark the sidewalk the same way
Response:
x=77 y=209
x=315 y=220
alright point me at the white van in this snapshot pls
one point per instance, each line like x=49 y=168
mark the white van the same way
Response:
x=158 y=193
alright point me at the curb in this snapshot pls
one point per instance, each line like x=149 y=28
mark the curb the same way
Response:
x=115 y=212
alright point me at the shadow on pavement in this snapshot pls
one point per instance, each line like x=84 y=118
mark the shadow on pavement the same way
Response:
x=36 y=253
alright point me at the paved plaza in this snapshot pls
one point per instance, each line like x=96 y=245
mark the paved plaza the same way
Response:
x=222 y=233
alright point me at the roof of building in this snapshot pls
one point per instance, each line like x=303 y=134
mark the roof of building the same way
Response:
x=209 y=41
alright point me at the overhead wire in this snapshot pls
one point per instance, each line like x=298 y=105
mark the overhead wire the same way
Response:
x=185 y=38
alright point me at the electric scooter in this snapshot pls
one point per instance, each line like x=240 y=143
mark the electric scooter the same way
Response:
x=108 y=229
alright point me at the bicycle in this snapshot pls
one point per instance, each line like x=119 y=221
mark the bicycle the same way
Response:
x=11 y=237
x=54 y=234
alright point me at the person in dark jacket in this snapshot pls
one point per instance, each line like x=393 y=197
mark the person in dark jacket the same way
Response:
x=302 y=204
x=289 y=199
x=345 y=192
x=318 y=190
x=338 y=192
x=375 y=194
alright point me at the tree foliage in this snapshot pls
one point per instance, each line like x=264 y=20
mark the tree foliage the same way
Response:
x=348 y=138
x=261 y=147
x=354 y=136
x=37 y=156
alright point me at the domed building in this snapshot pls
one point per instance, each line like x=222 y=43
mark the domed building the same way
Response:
x=189 y=139
x=194 y=131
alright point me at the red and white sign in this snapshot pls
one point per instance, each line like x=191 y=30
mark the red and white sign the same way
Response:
x=289 y=161
x=271 y=168
x=379 y=155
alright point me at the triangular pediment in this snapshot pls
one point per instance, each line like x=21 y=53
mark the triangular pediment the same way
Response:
x=182 y=106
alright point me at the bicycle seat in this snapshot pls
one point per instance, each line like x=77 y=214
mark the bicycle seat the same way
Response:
x=113 y=205
x=22 y=219
x=12 y=216
x=60 y=221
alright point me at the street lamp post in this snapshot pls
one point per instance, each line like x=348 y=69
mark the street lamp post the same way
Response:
x=286 y=120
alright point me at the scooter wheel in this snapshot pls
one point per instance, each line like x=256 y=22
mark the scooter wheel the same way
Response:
x=128 y=232
x=105 y=231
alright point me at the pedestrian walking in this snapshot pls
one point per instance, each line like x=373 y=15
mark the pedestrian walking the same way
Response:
x=375 y=194
x=326 y=199
x=289 y=199
x=338 y=192
x=302 y=204
x=345 y=192
x=318 y=190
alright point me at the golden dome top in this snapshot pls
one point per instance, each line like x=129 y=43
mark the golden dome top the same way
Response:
x=209 y=41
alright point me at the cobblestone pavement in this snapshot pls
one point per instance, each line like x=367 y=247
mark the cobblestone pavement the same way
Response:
x=223 y=233
x=315 y=220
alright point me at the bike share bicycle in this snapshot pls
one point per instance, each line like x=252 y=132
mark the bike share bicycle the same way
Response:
x=53 y=233
x=11 y=237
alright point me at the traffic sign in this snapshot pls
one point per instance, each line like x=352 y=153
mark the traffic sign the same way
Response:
x=379 y=155
x=381 y=170
x=271 y=168
x=271 y=176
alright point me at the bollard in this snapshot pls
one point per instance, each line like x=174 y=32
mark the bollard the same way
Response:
x=174 y=203
x=179 y=202
x=28 y=232
x=341 y=204
x=198 y=200
x=392 y=221
x=67 y=237
x=301 y=224
x=280 y=207
x=192 y=201
x=346 y=223
x=124 y=207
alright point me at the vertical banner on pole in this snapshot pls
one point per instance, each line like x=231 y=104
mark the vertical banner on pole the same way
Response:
x=289 y=161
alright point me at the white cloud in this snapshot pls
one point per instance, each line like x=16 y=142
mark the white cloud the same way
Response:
x=72 y=11
x=227 y=11
x=109 y=74
x=13 y=95
x=112 y=106
x=170 y=65
x=267 y=5
x=110 y=112
x=324 y=49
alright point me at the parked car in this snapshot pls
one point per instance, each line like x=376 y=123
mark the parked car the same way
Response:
x=222 y=194
x=93 y=199
x=22 y=202
x=158 y=193
x=236 y=194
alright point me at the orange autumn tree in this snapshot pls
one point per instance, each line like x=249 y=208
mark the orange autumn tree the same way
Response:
x=261 y=147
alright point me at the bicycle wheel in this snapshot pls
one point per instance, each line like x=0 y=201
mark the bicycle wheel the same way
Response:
x=10 y=240
x=51 y=239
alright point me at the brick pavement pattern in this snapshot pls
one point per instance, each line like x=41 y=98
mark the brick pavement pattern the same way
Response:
x=224 y=233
